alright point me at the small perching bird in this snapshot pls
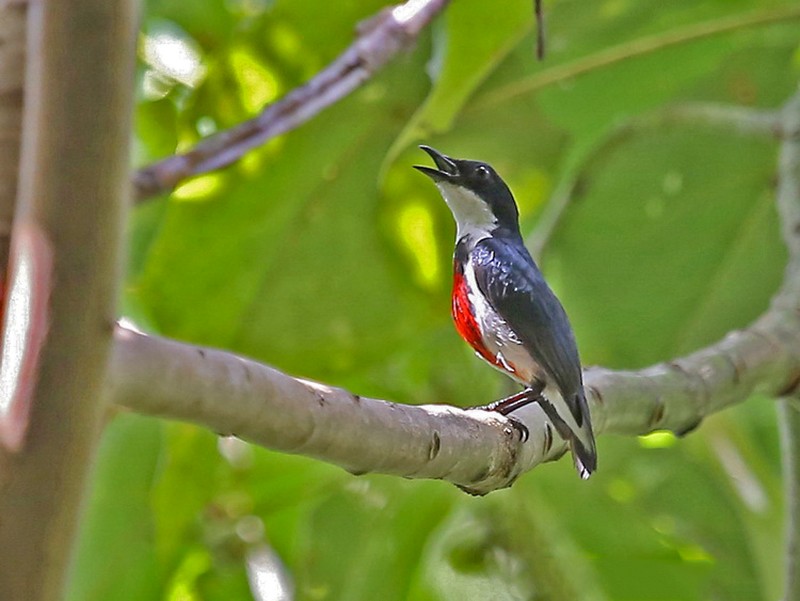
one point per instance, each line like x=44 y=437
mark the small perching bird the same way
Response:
x=503 y=307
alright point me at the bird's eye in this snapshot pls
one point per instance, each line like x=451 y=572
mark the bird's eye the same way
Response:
x=482 y=171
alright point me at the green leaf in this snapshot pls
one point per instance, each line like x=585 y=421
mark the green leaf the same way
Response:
x=371 y=522
x=115 y=559
x=472 y=40
x=685 y=244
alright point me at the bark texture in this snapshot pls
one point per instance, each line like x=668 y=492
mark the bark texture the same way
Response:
x=73 y=187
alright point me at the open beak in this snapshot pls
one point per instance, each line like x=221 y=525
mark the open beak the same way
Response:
x=446 y=170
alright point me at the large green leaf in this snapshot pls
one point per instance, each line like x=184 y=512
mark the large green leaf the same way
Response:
x=692 y=243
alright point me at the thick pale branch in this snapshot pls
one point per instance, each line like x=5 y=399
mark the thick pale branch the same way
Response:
x=234 y=395
x=380 y=38
x=677 y=395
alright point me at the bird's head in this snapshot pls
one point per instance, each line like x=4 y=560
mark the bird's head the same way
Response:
x=478 y=198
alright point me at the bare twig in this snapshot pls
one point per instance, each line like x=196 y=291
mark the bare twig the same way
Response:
x=474 y=449
x=379 y=39
x=744 y=120
x=634 y=48
x=540 y=33
x=788 y=193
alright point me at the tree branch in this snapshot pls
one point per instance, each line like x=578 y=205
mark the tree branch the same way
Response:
x=379 y=39
x=788 y=200
x=477 y=450
x=234 y=395
x=633 y=48
x=73 y=187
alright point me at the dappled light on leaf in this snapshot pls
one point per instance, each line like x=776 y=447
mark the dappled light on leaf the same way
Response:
x=258 y=84
x=183 y=586
x=415 y=226
x=199 y=188
x=661 y=439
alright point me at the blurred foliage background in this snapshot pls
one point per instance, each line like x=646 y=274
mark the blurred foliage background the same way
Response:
x=324 y=254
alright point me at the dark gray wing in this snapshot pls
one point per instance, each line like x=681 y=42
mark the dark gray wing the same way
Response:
x=514 y=286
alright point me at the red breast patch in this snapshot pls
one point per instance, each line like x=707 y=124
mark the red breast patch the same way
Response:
x=464 y=316
x=466 y=324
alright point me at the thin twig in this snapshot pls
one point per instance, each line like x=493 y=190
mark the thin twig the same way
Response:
x=788 y=202
x=540 y=39
x=788 y=192
x=379 y=39
x=634 y=48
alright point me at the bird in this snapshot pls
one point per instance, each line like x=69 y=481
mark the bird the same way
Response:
x=503 y=307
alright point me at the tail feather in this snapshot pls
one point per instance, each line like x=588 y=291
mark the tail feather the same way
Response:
x=584 y=452
x=581 y=441
x=585 y=459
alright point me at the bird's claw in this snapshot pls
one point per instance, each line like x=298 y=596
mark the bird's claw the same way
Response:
x=508 y=405
x=524 y=433
x=511 y=403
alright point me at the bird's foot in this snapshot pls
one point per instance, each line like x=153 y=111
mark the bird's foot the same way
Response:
x=511 y=403
x=524 y=433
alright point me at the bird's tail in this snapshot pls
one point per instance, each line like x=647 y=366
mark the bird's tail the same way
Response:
x=580 y=439
x=584 y=458
x=584 y=451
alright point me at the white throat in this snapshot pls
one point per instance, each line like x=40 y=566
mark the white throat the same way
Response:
x=473 y=216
